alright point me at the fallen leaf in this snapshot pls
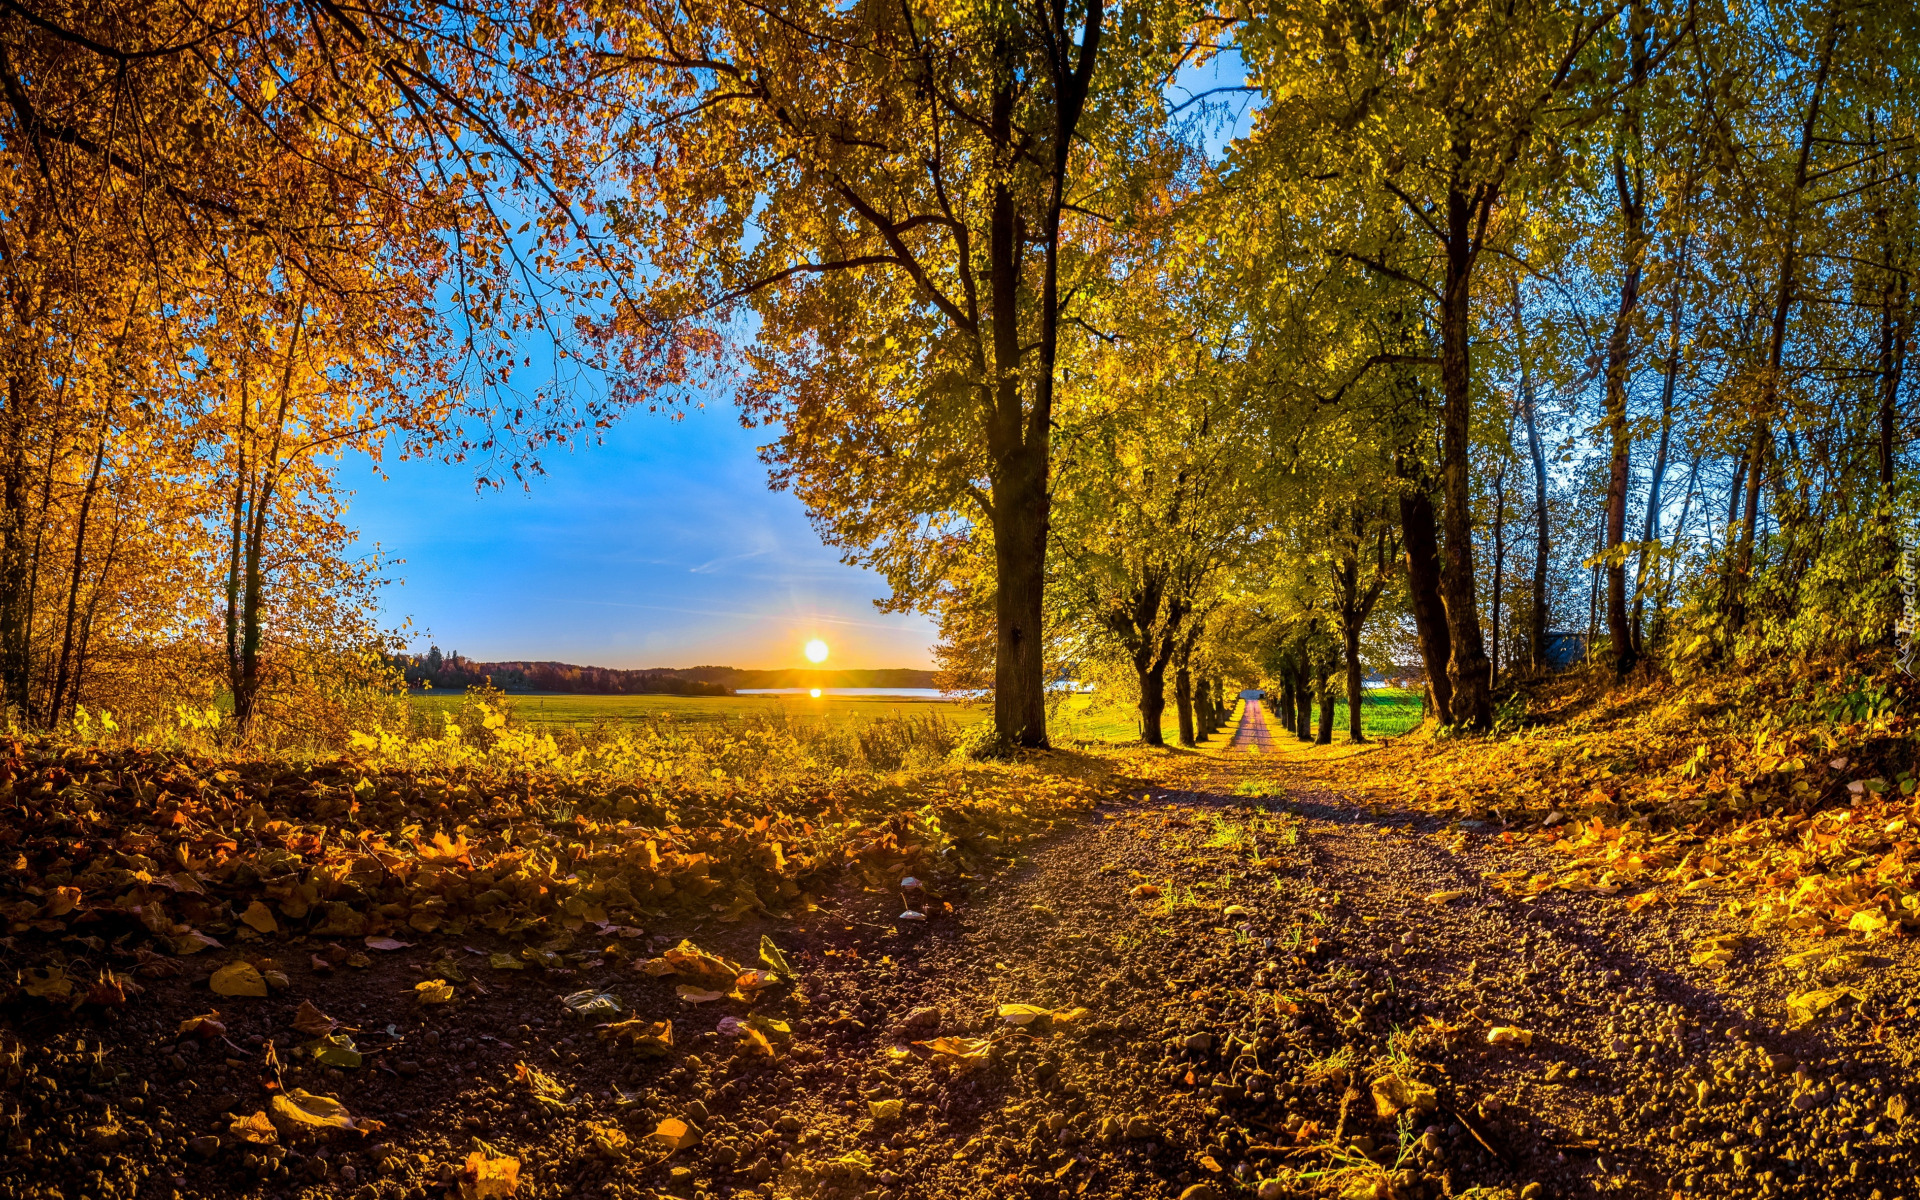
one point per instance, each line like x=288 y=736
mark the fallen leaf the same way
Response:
x=691 y=961
x=1868 y=921
x=1144 y=891
x=302 y=1109
x=544 y=1088
x=694 y=995
x=501 y=961
x=1023 y=1014
x=772 y=1028
x=1508 y=1035
x=485 y=1177
x=753 y=981
x=61 y=901
x=310 y=1020
x=335 y=1051
x=256 y=1129
x=207 y=1025
x=959 y=1049
x=592 y=1005
x=650 y=1039
x=433 y=991
x=1234 y=910
x=886 y=1110
x=238 y=978
x=260 y=917
x=1807 y=1007
x=386 y=943
x=774 y=960
x=605 y=1140
x=193 y=942
x=675 y=1134
x=52 y=983
x=1446 y=897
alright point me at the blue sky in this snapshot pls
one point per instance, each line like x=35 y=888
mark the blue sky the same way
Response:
x=661 y=547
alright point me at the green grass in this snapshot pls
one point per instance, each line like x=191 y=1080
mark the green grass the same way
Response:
x=1387 y=712
x=583 y=712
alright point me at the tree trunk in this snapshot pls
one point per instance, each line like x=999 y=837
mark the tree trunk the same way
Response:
x=1303 y=715
x=1183 y=703
x=1286 y=701
x=1760 y=452
x=58 y=700
x=1325 y=735
x=1543 y=529
x=1423 y=590
x=1355 y=688
x=1499 y=557
x=1620 y=347
x=1153 y=703
x=16 y=666
x=1020 y=556
x=1650 y=529
x=1471 y=704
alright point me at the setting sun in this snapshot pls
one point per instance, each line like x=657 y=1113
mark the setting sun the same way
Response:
x=816 y=651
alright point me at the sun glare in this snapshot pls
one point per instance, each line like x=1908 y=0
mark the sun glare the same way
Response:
x=816 y=651
x=814 y=692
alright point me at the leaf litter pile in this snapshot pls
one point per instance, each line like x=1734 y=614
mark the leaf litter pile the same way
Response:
x=1487 y=969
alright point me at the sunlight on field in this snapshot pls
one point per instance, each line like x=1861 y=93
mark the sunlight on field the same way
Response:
x=581 y=712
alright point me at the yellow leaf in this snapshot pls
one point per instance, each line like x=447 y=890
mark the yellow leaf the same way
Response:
x=1023 y=1014
x=488 y=1178
x=886 y=1110
x=1868 y=920
x=433 y=991
x=965 y=1050
x=238 y=979
x=652 y=1039
x=1508 y=1035
x=1068 y=1016
x=1446 y=897
x=256 y=1129
x=1145 y=891
x=62 y=901
x=675 y=1134
x=694 y=995
x=260 y=917
x=693 y=962
x=302 y=1109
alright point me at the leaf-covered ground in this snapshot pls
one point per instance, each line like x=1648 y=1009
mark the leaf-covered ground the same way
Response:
x=1129 y=975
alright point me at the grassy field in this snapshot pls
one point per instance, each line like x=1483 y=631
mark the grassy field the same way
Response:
x=1388 y=712
x=582 y=712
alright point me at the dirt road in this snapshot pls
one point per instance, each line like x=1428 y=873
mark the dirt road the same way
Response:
x=1250 y=734
x=1253 y=983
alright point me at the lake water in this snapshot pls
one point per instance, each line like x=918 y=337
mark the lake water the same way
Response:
x=899 y=693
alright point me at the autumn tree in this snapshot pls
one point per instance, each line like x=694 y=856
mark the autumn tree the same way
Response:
x=903 y=207
x=1443 y=119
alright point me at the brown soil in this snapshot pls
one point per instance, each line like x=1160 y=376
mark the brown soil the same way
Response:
x=1220 y=1048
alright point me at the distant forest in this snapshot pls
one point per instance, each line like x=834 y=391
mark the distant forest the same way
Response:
x=453 y=672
